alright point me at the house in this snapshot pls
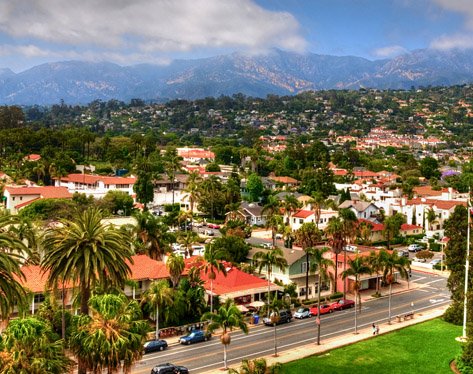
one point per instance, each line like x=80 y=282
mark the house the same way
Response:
x=362 y=209
x=377 y=230
x=306 y=216
x=95 y=185
x=195 y=155
x=16 y=198
x=284 y=183
x=251 y=213
x=294 y=273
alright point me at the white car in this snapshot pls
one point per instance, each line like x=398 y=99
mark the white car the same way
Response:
x=435 y=261
x=302 y=313
x=415 y=248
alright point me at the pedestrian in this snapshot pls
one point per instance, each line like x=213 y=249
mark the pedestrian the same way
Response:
x=377 y=329
x=374 y=328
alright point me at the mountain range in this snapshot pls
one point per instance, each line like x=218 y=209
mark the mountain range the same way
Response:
x=279 y=72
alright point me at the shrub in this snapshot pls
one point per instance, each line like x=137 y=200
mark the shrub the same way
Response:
x=435 y=247
x=462 y=366
x=336 y=295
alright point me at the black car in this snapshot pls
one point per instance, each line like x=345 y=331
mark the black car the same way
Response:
x=284 y=317
x=155 y=345
x=169 y=369
x=195 y=337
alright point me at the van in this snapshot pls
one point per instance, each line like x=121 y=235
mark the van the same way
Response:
x=285 y=316
x=198 y=250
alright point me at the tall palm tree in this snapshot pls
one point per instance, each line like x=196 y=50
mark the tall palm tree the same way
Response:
x=172 y=163
x=112 y=336
x=290 y=205
x=175 y=265
x=358 y=267
x=273 y=219
x=364 y=232
x=30 y=347
x=192 y=190
x=375 y=261
x=334 y=232
x=392 y=263
x=432 y=217
x=316 y=202
x=158 y=295
x=86 y=253
x=226 y=319
x=349 y=226
x=269 y=259
x=212 y=266
x=307 y=236
x=319 y=265
x=186 y=239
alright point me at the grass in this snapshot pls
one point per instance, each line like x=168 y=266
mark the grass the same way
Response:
x=423 y=348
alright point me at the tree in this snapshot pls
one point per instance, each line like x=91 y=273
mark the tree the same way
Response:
x=392 y=225
x=392 y=263
x=319 y=265
x=269 y=260
x=112 y=336
x=232 y=248
x=158 y=295
x=227 y=318
x=349 y=226
x=334 y=231
x=290 y=205
x=256 y=366
x=172 y=164
x=192 y=190
x=153 y=234
x=429 y=168
x=86 y=253
x=255 y=187
x=357 y=267
x=307 y=236
x=175 y=265
x=29 y=347
x=375 y=261
x=431 y=218
x=364 y=232
x=118 y=201
x=316 y=203
x=143 y=186
x=273 y=219
x=212 y=266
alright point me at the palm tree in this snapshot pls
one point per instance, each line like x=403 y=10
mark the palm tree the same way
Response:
x=256 y=366
x=87 y=254
x=112 y=336
x=271 y=210
x=392 y=263
x=358 y=266
x=375 y=261
x=307 y=236
x=364 y=232
x=319 y=265
x=158 y=295
x=30 y=347
x=431 y=218
x=316 y=202
x=192 y=190
x=269 y=260
x=227 y=318
x=186 y=239
x=153 y=234
x=334 y=231
x=290 y=205
x=175 y=265
x=172 y=163
x=349 y=225
x=212 y=266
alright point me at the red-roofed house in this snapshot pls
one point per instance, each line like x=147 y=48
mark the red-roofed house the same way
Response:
x=195 y=154
x=95 y=185
x=19 y=197
x=32 y=157
x=306 y=216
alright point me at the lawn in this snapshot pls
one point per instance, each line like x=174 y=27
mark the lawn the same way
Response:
x=423 y=348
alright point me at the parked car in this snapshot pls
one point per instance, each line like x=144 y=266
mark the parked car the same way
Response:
x=209 y=233
x=213 y=226
x=402 y=253
x=435 y=261
x=169 y=369
x=267 y=245
x=155 y=345
x=285 y=316
x=415 y=248
x=278 y=236
x=324 y=309
x=302 y=313
x=194 y=337
x=342 y=304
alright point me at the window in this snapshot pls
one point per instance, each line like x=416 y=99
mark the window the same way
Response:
x=38 y=298
x=140 y=285
x=304 y=267
x=301 y=221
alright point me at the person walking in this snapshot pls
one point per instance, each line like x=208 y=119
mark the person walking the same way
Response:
x=377 y=329
x=374 y=328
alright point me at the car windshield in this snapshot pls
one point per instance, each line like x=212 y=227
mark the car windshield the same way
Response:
x=301 y=310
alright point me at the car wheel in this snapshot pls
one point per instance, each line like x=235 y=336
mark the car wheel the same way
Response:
x=310 y=316
x=161 y=348
x=206 y=338
x=330 y=311
x=189 y=342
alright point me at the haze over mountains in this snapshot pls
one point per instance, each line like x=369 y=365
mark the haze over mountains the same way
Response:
x=281 y=73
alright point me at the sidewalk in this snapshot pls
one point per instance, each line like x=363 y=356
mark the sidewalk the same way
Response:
x=307 y=350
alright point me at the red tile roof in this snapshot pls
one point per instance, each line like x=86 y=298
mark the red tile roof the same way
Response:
x=144 y=267
x=407 y=227
x=47 y=192
x=285 y=180
x=92 y=179
x=33 y=157
x=303 y=213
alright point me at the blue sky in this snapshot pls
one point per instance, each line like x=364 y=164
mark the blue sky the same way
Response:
x=157 y=31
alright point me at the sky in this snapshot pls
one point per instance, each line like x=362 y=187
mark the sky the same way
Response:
x=129 y=32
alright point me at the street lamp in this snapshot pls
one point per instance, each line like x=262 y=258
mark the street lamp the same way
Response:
x=467 y=267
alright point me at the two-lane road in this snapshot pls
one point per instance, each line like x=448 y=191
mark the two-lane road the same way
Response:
x=259 y=342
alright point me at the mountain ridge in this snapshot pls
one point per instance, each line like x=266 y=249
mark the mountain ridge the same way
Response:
x=279 y=72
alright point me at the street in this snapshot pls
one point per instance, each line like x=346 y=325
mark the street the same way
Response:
x=430 y=292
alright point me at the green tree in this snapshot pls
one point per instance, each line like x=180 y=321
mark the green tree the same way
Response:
x=307 y=236
x=392 y=225
x=118 y=201
x=358 y=266
x=233 y=248
x=212 y=265
x=152 y=234
x=175 y=265
x=375 y=261
x=255 y=187
x=158 y=295
x=429 y=168
x=143 y=186
x=271 y=213
x=87 y=253
x=172 y=164
x=334 y=232
x=29 y=346
x=256 y=366
x=269 y=260
x=226 y=319
x=112 y=336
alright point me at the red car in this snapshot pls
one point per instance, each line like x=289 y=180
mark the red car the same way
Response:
x=324 y=309
x=213 y=226
x=343 y=304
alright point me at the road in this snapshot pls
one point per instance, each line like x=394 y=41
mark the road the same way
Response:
x=259 y=342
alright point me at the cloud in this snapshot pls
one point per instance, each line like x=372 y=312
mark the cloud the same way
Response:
x=389 y=51
x=465 y=7
x=150 y=26
x=461 y=41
